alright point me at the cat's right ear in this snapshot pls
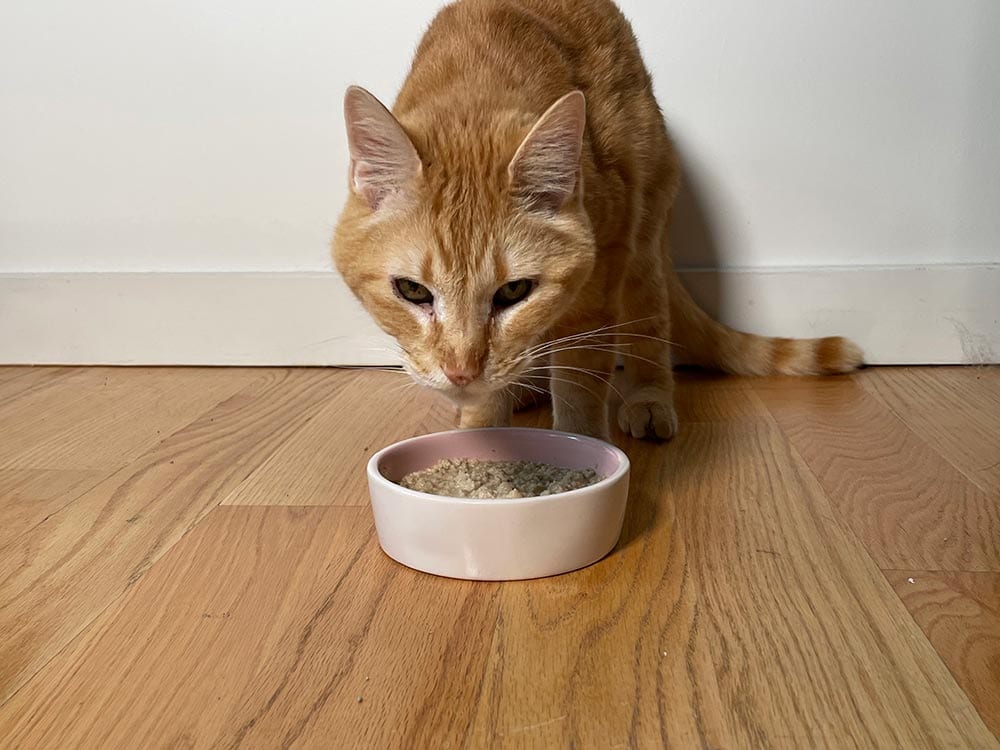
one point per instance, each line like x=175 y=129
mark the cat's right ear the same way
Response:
x=384 y=162
x=545 y=169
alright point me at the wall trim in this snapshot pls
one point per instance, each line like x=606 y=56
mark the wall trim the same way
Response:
x=936 y=314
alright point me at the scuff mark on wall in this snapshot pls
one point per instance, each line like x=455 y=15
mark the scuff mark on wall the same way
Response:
x=976 y=347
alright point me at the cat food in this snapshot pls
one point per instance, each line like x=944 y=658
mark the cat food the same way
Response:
x=494 y=480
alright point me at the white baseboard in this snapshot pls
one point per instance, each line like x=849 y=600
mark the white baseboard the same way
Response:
x=899 y=315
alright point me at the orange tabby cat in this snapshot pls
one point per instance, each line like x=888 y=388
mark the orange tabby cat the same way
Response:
x=508 y=223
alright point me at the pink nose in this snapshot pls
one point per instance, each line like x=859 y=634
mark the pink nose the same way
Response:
x=462 y=375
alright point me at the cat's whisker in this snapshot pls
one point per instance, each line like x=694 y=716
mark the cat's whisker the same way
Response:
x=602 y=340
x=608 y=350
x=545 y=355
x=561 y=399
x=392 y=347
x=373 y=368
x=554 y=396
x=556 y=367
x=400 y=388
x=595 y=331
x=531 y=387
x=648 y=337
x=612 y=326
x=589 y=373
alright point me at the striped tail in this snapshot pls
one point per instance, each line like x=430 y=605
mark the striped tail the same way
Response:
x=707 y=343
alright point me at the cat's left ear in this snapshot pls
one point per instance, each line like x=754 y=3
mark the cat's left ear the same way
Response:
x=384 y=162
x=544 y=171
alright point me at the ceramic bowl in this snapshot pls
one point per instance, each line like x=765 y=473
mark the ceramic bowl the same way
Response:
x=499 y=539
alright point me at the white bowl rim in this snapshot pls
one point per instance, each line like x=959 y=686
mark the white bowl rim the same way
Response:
x=375 y=475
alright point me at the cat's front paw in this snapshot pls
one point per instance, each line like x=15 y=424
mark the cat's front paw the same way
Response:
x=648 y=413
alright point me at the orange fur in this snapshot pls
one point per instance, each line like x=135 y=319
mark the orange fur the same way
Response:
x=493 y=168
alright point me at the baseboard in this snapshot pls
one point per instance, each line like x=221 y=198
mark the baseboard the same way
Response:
x=899 y=315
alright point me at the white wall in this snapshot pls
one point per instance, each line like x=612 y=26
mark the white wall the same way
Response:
x=190 y=135
x=202 y=135
x=834 y=133
x=204 y=139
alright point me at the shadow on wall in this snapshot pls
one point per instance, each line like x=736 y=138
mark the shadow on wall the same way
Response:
x=698 y=248
x=693 y=244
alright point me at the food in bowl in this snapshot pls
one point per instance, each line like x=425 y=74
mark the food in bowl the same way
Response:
x=508 y=538
x=492 y=480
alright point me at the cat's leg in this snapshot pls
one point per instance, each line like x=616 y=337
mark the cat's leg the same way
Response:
x=580 y=376
x=647 y=410
x=495 y=411
x=525 y=398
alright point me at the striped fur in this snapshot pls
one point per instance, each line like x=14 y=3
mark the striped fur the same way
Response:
x=706 y=342
x=526 y=143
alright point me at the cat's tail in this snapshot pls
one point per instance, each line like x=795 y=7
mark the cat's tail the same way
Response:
x=705 y=342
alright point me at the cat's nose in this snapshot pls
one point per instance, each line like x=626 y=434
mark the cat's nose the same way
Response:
x=463 y=374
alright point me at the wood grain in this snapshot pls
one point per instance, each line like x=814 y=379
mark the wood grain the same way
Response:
x=735 y=613
x=55 y=579
x=29 y=496
x=960 y=615
x=10 y=373
x=25 y=381
x=900 y=497
x=714 y=399
x=324 y=462
x=741 y=608
x=738 y=614
x=257 y=630
x=100 y=418
x=955 y=409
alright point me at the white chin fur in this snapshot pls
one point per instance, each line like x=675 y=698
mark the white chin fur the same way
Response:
x=468 y=396
x=472 y=394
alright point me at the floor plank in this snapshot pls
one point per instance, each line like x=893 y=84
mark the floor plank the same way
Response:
x=738 y=614
x=716 y=399
x=324 y=463
x=960 y=614
x=100 y=418
x=260 y=628
x=910 y=507
x=56 y=579
x=23 y=382
x=9 y=373
x=955 y=409
x=743 y=606
x=29 y=496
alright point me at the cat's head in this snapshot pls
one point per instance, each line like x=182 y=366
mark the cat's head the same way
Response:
x=465 y=236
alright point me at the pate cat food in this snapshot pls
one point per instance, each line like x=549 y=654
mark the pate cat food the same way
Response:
x=493 y=480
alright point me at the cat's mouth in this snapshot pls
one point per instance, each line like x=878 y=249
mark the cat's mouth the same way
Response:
x=468 y=395
x=471 y=394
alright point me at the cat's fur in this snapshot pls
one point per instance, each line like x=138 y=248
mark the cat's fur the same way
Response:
x=526 y=144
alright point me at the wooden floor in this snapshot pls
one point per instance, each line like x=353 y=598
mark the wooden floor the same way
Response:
x=187 y=559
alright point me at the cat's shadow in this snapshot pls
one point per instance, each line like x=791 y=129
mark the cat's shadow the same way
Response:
x=695 y=246
x=654 y=472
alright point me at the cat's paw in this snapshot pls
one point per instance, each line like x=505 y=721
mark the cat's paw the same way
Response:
x=648 y=412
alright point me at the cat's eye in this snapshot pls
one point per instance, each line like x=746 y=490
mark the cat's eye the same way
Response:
x=512 y=292
x=413 y=292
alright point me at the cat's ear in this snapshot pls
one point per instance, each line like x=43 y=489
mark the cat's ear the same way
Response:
x=384 y=161
x=544 y=171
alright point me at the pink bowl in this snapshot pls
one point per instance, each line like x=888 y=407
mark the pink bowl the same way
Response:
x=499 y=540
